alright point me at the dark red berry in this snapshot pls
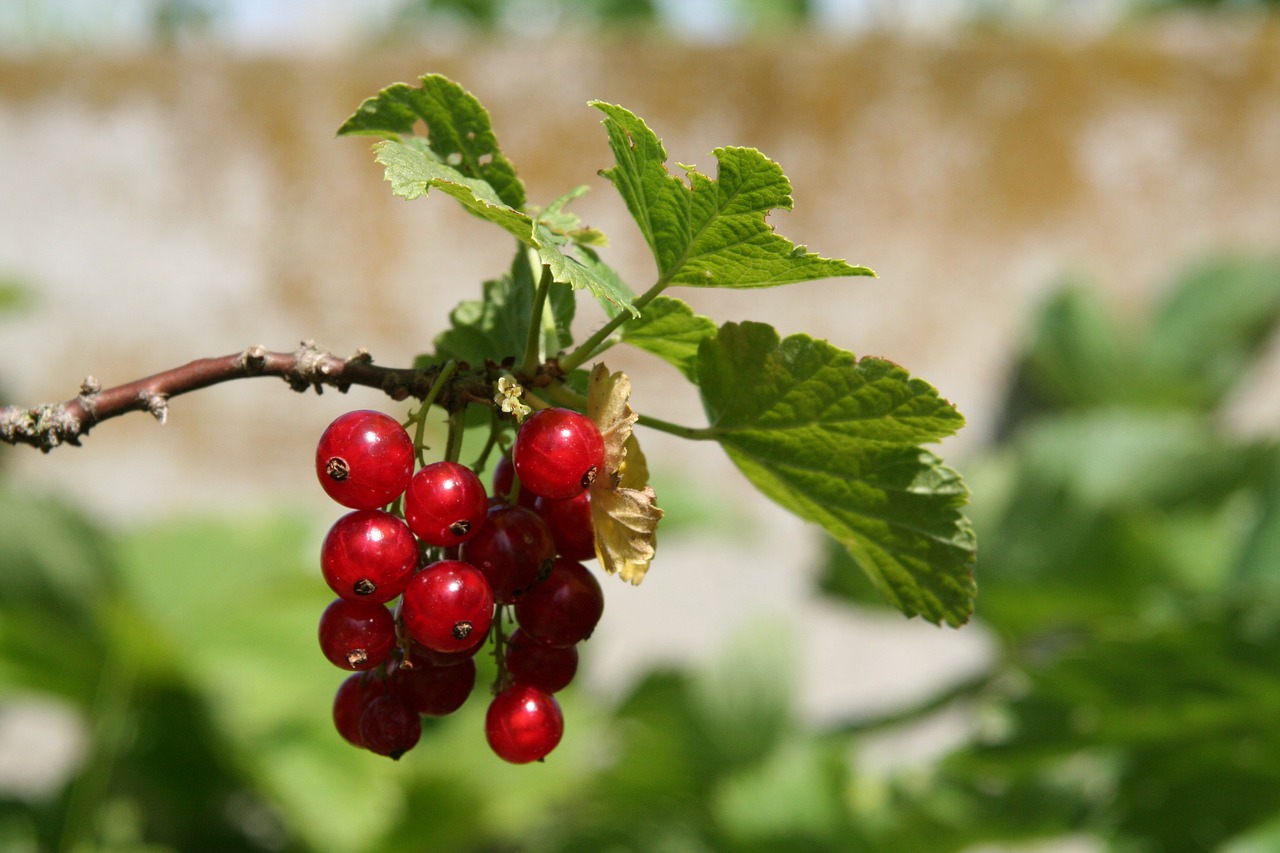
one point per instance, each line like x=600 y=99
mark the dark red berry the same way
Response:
x=445 y=504
x=419 y=653
x=356 y=635
x=436 y=691
x=548 y=668
x=564 y=608
x=514 y=549
x=350 y=702
x=571 y=526
x=390 y=726
x=447 y=606
x=523 y=724
x=504 y=477
x=364 y=459
x=558 y=453
x=368 y=555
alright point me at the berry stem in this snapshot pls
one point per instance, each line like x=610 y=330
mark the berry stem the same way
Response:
x=420 y=417
x=457 y=426
x=495 y=429
x=532 y=346
x=592 y=346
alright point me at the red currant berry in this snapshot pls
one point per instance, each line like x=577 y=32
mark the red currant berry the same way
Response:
x=368 y=555
x=504 y=477
x=558 y=453
x=514 y=549
x=523 y=724
x=390 y=726
x=420 y=654
x=447 y=606
x=350 y=702
x=436 y=691
x=548 y=668
x=364 y=459
x=564 y=608
x=356 y=634
x=571 y=526
x=445 y=504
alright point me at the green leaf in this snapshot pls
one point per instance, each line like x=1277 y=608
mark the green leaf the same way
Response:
x=669 y=329
x=833 y=439
x=412 y=171
x=709 y=232
x=459 y=132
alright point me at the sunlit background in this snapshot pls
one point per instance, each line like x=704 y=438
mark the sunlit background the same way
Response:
x=1074 y=212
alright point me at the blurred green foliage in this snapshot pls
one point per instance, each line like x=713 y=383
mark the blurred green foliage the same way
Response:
x=1131 y=571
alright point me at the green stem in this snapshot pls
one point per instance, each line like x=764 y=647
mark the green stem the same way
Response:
x=532 y=350
x=457 y=426
x=692 y=433
x=420 y=417
x=495 y=428
x=588 y=348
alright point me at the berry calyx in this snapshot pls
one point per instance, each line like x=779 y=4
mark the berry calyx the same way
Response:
x=390 y=726
x=356 y=635
x=570 y=524
x=558 y=453
x=523 y=724
x=364 y=459
x=445 y=504
x=564 y=608
x=447 y=606
x=548 y=668
x=368 y=555
x=514 y=551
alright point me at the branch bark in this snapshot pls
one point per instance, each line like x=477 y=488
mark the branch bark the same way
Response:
x=50 y=424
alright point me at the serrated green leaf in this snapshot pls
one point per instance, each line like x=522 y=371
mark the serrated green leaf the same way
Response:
x=833 y=439
x=669 y=329
x=709 y=232
x=459 y=133
x=411 y=172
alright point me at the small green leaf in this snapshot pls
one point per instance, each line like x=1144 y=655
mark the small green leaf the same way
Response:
x=709 y=232
x=459 y=132
x=833 y=439
x=669 y=329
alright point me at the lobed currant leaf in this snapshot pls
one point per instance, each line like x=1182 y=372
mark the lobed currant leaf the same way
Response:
x=459 y=132
x=709 y=232
x=669 y=329
x=623 y=508
x=833 y=439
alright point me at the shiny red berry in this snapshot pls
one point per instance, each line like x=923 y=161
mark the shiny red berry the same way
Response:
x=350 y=702
x=447 y=606
x=368 y=555
x=445 y=504
x=548 y=668
x=571 y=526
x=390 y=726
x=364 y=459
x=558 y=453
x=419 y=653
x=514 y=549
x=435 y=691
x=504 y=478
x=356 y=635
x=523 y=724
x=564 y=608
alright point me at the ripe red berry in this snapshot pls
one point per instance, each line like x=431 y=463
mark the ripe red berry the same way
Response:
x=447 y=606
x=558 y=453
x=564 y=608
x=390 y=726
x=436 y=691
x=548 y=668
x=571 y=526
x=419 y=653
x=356 y=635
x=364 y=459
x=504 y=478
x=514 y=549
x=368 y=555
x=445 y=504
x=523 y=724
x=350 y=702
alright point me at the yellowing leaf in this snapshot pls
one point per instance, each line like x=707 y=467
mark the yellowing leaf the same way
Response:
x=623 y=508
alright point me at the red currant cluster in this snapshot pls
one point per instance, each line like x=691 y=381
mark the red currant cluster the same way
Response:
x=458 y=561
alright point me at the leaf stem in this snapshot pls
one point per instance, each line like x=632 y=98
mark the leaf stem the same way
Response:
x=532 y=351
x=692 y=433
x=587 y=349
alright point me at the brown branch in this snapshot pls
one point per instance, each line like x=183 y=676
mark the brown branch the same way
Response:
x=50 y=424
